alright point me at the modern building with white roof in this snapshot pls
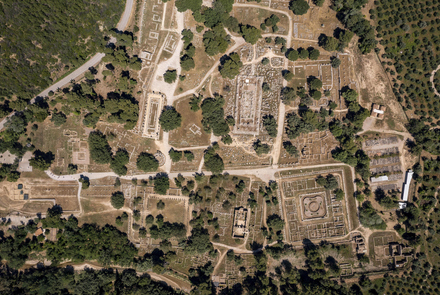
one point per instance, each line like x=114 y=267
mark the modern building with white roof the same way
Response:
x=405 y=191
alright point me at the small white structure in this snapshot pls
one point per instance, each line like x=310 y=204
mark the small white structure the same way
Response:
x=405 y=191
x=379 y=179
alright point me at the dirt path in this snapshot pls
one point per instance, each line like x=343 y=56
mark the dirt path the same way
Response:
x=431 y=79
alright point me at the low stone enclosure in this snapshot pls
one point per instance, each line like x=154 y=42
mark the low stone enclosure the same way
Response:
x=311 y=211
x=248 y=105
x=153 y=107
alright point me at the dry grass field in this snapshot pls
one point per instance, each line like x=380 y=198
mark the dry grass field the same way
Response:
x=190 y=133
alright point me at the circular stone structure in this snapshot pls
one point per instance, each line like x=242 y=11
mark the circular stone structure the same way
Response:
x=313 y=207
x=160 y=158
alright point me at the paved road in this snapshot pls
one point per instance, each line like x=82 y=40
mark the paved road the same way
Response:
x=91 y=62
x=75 y=74
x=95 y=59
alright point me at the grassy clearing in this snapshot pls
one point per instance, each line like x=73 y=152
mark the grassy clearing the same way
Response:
x=183 y=136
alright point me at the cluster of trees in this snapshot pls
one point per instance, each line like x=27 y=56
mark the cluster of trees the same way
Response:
x=307 y=121
x=105 y=244
x=72 y=42
x=271 y=125
x=9 y=172
x=356 y=113
x=214 y=116
x=147 y=162
x=176 y=155
x=42 y=160
x=261 y=148
x=16 y=125
x=315 y=86
x=119 y=106
x=213 y=162
x=330 y=43
x=302 y=53
x=271 y=21
x=166 y=230
x=349 y=13
x=425 y=137
x=348 y=152
x=89 y=281
x=330 y=182
x=187 y=61
x=411 y=42
x=290 y=148
x=369 y=217
x=230 y=66
x=170 y=119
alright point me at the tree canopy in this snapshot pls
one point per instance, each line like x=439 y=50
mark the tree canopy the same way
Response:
x=100 y=150
x=170 y=119
x=117 y=200
x=147 y=162
x=299 y=7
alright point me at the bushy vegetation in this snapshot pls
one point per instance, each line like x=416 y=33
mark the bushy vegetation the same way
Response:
x=170 y=119
x=349 y=13
x=230 y=66
x=411 y=43
x=70 y=36
x=100 y=150
x=306 y=122
x=271 y=125
x=369 y=217
x=214 y=116
x=147 y=162
x=213 y=162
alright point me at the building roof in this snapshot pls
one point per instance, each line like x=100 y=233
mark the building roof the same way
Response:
x=409 y=175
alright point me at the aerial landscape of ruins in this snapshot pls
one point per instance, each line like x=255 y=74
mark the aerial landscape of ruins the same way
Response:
x=220 y=147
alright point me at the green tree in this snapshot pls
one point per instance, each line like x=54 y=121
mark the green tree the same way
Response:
x=100 y=150
x=316 y=94
x=170 y=76
x=161 y=183
x=271 y=125
x=288 y=94
x=303 y=53
x=250 y=34
x=314 y=54
x=299 y=7
x=160 y=205
x=292 y=54
x=117 y=200
x=175 y=155
x=330 y=43
x=189 y=155
x=58 y=118
x=335 y=62
x=230 y=67
x=213 y=162
x=290 y=148
x=147 y=162
x=261 y=148
x=318 y=2
x=170 y=119
x=288 y=75
x=315 y=84
x=187 y=63
x=41 y=160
